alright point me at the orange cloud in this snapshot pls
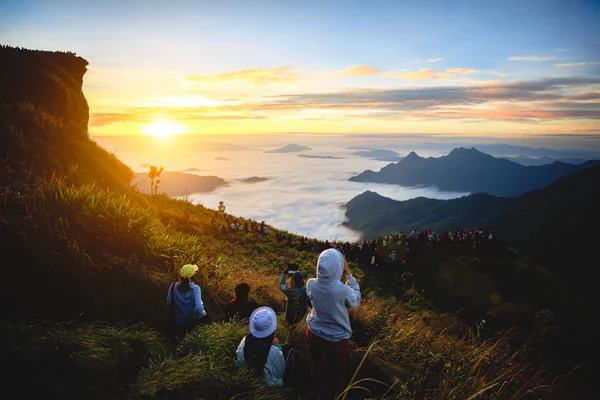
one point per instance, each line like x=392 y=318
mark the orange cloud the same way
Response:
x=253 y=76
x=357 y=70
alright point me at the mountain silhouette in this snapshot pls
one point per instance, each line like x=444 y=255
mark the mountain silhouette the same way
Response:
x=289 y=148
x=555 y=226
x=469 y=170
x=379 y=154
x=529 y=161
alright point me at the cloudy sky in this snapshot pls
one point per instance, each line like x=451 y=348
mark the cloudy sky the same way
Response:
x=503 y=68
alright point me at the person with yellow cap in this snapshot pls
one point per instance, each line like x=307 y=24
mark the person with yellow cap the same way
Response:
x=184 y=302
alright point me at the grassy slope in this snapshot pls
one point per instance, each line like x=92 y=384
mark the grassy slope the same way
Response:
x=374 y=215
x=79 y=245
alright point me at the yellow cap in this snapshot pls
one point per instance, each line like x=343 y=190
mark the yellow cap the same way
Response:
x=188 y=270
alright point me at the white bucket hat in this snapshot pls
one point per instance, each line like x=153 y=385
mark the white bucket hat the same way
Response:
x=263 y=322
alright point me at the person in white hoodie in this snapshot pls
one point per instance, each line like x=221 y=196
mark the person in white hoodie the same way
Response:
x=260 y=350
x=328 y=322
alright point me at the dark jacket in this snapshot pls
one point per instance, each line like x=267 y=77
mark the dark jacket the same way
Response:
x=297 y=302
x=240 y=309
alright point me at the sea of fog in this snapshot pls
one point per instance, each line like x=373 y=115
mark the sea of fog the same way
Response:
x=302 y=195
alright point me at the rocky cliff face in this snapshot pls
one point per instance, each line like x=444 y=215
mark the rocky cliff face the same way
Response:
x=49 y=80
x=44 y=118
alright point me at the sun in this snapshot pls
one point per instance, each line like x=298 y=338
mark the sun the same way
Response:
x=164 y=129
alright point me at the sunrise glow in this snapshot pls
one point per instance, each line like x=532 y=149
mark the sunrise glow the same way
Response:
x=164 y=129
x=533 y=70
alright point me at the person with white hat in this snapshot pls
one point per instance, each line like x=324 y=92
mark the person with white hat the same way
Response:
x=260 y=349
x=184 y=302
x=328 y=322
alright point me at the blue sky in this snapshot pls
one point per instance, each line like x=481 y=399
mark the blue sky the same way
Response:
x=141 y=52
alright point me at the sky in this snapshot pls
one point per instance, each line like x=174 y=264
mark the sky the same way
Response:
x=474 y=68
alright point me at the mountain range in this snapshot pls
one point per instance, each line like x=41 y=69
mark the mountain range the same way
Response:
x=532 y=161
x=508 y=150
x=555 y=226
x=469 y=170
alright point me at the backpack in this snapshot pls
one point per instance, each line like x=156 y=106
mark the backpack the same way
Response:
x=169 y=324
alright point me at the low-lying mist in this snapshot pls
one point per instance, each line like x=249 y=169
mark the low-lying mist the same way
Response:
x=301 y=195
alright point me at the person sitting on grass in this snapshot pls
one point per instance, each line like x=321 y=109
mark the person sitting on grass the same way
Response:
x=297 y=301
x=242 y=306
x=184 y=302
x=260 y=350
x=328 y=322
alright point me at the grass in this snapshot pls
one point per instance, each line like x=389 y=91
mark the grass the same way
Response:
x=399 y=349
x=75 y=360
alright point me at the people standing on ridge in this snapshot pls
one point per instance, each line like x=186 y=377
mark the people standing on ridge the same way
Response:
x=297 y=301
x=260 y=350
x=328 y=322
x=242 y=306
x=184 y=302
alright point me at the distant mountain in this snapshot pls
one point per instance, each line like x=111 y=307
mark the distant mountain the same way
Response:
x=221 y=159
x=469 y=170
x=531 y=161
x=175 y=183
x=509 y=150
x=373 y=214
x=321 y=157
x=556 y=226
x=290 y=148
x=254 y=179
x=378 y=154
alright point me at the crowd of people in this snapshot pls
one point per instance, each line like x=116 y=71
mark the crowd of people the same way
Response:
x=229 y=224
x=391 y=249
x=323 y=302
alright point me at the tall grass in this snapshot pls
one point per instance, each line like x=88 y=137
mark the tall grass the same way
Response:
x=75 y=360
x=204 y=366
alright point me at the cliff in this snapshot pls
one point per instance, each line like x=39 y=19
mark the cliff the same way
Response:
x=49 y=80
x=44 y=117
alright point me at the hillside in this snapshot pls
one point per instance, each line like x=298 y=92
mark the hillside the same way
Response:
x=44 y=120
x=539 y=223
x=469 y=170
x=87 y=260
x=374 y=215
